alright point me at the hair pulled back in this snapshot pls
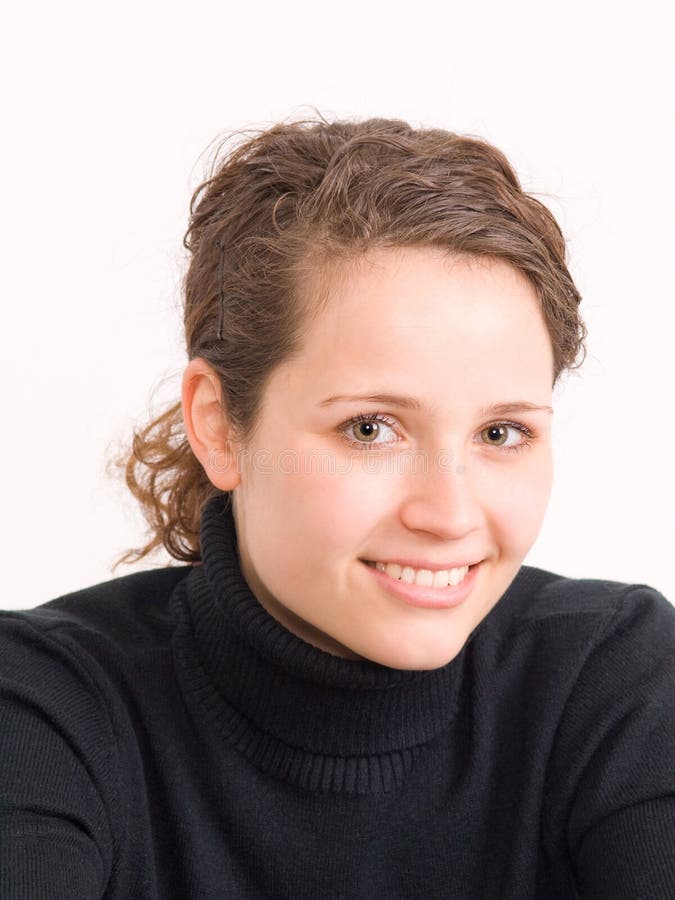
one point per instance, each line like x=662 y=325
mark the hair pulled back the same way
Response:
x=295 y=198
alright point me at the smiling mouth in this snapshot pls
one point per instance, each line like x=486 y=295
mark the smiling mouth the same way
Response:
x=423 y=578
x=437 y=595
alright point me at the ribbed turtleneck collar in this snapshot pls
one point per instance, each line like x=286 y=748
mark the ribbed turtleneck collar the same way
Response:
x=299 y=712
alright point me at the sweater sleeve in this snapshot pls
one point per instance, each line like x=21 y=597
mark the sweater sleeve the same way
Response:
x=615 y=759
x=56 y=751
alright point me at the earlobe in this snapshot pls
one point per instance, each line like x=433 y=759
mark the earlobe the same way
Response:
x=206 y=425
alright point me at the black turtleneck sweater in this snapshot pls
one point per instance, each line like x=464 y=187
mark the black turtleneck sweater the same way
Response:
x=162 y=736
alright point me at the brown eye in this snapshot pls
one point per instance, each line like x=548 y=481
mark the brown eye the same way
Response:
x=498 y=434
x=366 y=430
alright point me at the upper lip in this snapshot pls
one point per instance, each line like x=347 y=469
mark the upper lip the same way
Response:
x=423 y=564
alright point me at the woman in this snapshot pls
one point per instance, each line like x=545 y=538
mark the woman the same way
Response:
x=352 y=686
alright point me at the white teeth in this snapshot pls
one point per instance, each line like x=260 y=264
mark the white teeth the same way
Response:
x=424 y=577
x=441 y=579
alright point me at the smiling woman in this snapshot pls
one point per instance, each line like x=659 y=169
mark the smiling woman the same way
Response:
x=437 y=317
x=376 y=318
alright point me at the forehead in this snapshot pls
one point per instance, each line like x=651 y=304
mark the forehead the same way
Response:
x=420 y=305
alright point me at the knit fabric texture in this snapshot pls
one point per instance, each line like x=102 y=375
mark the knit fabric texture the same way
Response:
x=163 y=737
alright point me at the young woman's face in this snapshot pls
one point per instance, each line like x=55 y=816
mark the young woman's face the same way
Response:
x=447 y=482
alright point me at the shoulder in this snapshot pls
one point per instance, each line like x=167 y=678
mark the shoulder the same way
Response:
x=590 y=608
x=592 y=644
x=138 y=603
x=602 y=653
x=606 y=650
x=72 y=652
x=63 y=667
x=63 y=636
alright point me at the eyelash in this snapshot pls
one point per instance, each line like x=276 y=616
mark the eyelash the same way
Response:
x=526 y=432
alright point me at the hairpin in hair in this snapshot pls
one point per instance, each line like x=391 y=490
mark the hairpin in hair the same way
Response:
x=221 y=273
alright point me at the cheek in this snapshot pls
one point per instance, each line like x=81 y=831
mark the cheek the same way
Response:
x=325 y=505
x=340 y=507
x=307 y=532
x=517 y=504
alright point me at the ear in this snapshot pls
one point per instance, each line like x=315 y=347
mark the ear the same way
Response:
x=207 y=426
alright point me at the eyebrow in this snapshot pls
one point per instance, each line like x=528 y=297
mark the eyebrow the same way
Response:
x=413 y=403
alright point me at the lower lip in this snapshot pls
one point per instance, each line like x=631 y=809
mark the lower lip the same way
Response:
x=427 y=597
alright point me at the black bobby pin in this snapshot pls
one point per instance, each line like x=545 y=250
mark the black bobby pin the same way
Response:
x=221 y=273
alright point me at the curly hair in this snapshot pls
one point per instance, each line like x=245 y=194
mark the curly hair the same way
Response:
x=286 y=201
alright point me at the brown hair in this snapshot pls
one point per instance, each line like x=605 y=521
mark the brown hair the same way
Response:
x=288 y=201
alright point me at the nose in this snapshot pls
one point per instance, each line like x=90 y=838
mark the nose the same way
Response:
x=442 y=499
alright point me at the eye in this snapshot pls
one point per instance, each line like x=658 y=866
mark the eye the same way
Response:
x=497 y=434
x=368 y=428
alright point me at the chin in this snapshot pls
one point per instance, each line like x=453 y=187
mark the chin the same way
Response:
x=414 y=658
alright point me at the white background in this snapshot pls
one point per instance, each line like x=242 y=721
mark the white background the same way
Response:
x=106 y=114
